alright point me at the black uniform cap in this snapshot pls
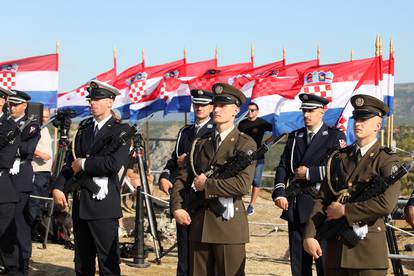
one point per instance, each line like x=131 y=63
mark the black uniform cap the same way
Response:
x=200 y=96
x=311 y=101
x=101 y=90
x=19 y=97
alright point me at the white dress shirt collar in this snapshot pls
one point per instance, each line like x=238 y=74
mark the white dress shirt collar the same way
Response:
x=101 y=123
x=365 y=148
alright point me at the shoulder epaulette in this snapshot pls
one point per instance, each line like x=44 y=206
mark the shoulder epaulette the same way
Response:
x=86 y=122
x=387 y=150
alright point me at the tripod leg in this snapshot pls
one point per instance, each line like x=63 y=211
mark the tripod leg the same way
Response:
x=393 y=249
x=49 y=218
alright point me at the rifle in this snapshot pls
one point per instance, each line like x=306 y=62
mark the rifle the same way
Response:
x=238 y=162
x=107 y=147
x=360 y=192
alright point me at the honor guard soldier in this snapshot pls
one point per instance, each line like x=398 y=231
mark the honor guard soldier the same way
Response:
x=299 y=175
x=203 y=127
x=349 y=168
x=9 y=141
x=22 y=172
x=99 y=150
x=214 y=209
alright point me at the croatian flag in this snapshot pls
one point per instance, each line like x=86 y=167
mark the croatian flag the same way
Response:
x=370 y=83
x=271 y=89
x=336 y=82
x=173 y=88
x=138 y=86
x=76 y=99
x=388 y=82
x=37 y=76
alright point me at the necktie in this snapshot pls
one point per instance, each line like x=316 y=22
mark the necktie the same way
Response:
x=196 y=129
x=217 y=141
x=95 y=131
x=310 y=136
x=358 y=155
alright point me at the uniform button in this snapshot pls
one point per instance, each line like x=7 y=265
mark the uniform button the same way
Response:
x=379 y=228
x=87 y=155
x=237 y=208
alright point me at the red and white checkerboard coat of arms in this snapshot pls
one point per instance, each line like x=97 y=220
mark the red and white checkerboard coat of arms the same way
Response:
x=8 y=76
x=319 y=83
x=81 y=91
x=137 y=87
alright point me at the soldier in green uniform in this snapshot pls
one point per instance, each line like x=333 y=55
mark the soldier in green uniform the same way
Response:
x=217 y=238
x=357 y=164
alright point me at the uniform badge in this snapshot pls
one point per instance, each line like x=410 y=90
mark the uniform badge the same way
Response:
x=218 y=89
x=32 y=129
x=342 y=143
x=324 y=133
x=359 y=101
x=394 y=169
x=305 y=97
x=93 y=85
x=300 y=134
x=200 y=92
x=232 y=139
x=209 y=126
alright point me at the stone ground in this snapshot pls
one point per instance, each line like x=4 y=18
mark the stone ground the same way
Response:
x=266 y=252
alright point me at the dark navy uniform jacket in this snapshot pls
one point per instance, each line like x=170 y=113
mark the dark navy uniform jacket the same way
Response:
x=97 y=164
x=8 y=153
x=29 y=138
x=185 y=138
x=297 y=153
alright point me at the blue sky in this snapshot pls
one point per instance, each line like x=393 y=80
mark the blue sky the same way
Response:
x=89 y=30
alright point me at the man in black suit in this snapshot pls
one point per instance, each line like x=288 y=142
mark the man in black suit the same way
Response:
x=9 y=141
x=302 y=164
x=98 y=152
x=22 y=172
x=203 y=126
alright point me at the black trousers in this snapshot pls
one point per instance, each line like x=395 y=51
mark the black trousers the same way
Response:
x=96 y=238
x=24 y=231
x=9 y=249
x=300 y=261
x=183 y=246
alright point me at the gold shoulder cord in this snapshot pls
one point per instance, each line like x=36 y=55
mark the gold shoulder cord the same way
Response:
x=73 y=144
x=208 y=173
x=343 y=195
x=192 y=156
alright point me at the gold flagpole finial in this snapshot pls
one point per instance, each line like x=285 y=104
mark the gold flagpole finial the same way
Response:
x=380 y=45
x=377 y=53
x=57 y=46
x=252 y=53
x=318 y=52
x=392 y=47
x=352 y=54
x=216 y=53
x=185 y=53
x=284 y=55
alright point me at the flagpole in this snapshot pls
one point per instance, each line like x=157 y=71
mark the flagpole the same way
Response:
x=392 y=115
x=55 y=132
x=185 y=62
x=143 y=57
x=216 y=55
x=352 y=55
x=115 y=64
x=377 y=54
x=318 y=54
x=252 y=54
x=284 y=56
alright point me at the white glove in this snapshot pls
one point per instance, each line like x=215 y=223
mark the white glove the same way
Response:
x=16 y=167
x=361 y=231
x=102 y=182
x=228 y=203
